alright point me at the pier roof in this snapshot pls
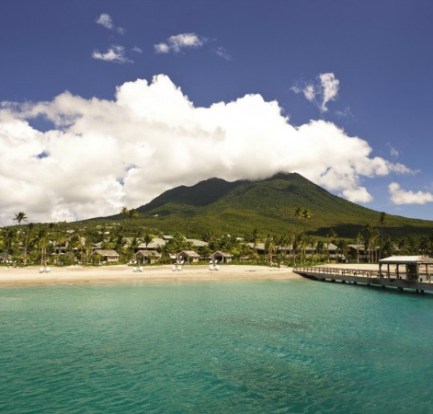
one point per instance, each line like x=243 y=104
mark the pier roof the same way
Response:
x=406 y=260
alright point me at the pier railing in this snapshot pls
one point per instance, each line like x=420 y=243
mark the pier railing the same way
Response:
x=364 y=273
x=338 y=271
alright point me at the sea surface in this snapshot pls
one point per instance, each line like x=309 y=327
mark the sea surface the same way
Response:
x=218 y=347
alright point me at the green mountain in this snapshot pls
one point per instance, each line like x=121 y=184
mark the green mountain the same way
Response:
x=268 y=206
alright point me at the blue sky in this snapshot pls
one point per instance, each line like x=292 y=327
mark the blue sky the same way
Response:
x=108 y=103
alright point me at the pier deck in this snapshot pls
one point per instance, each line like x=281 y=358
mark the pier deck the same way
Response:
x=368 y=278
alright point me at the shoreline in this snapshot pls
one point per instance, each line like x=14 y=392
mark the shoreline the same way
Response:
x=121 y=274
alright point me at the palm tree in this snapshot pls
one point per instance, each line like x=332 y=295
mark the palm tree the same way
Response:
x=9 y=240
x=370 y=237
x=147 y=239
x=270 y=247
x=382 y=218
x=124 y=212
x=306 y=215
x=19 y=218
x=128 y=214
x=132 y=214
x=42 y=241
x=303 y=214
x=298 y=213
x=255 y=239
x=331 y=236
x=133 y=247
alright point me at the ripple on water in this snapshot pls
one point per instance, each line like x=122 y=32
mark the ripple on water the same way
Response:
x=225 y=347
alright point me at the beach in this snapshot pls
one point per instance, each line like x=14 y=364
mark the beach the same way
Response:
x=31 y=276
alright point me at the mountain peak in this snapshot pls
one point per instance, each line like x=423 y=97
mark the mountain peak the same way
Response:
x=267 y=205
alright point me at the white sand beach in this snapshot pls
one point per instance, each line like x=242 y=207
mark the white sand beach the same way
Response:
x=31 y=276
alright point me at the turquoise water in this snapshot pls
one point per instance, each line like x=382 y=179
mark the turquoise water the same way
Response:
x=232 y=347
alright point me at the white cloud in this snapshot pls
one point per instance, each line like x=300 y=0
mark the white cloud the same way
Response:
x=400 y=196
x=104 y=154
x=137 y=49
x=222 y=53
x=115 y=53
x=393 y=152
x=344 y=113
x=321 y=92
x=162 y=48
x=106 y=21
x=309 y=93
x=180 y=41
x=330 y=86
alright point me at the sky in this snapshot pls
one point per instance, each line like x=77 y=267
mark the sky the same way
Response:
x=108 y=103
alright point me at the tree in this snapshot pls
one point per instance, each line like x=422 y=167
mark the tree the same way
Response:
x=358 y=241
x=19 y=218
x=41 y=240
x=370 y=239
x=147 y=239
x=270 y=247
x=303 y=215
x=9 y=239
x=382 y=218
x=306 y=216
x=132 y=214
x=331 y=236
x=320 y=248
x=125 y=214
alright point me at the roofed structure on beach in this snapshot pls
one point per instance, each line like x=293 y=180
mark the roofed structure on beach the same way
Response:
x=5 y=257
x=415 y=267
x=362 y=253
x=258 y=247
x=196 y=242
x=110 y=256
x=189 y=256
x=156 y=243
x=148 y=256
x=221 y=257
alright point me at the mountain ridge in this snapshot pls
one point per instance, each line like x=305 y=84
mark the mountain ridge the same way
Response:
x=266 y=205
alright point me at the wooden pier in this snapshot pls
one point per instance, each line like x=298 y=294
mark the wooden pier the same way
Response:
x=418 y=280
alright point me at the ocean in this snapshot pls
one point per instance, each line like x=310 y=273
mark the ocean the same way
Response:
x=218 y=347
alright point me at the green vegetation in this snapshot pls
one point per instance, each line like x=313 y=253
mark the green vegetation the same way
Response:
x=268 y=205
x=294 y=221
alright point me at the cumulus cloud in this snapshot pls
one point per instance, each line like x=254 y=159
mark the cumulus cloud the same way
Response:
x=103 y=154
x=106 y=21
x=324 y=90
x=400 y=196
x=115 y=53
x=178 y=42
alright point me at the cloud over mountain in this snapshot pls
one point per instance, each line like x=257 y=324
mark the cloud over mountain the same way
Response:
x=400 y=196
x=102 y=154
